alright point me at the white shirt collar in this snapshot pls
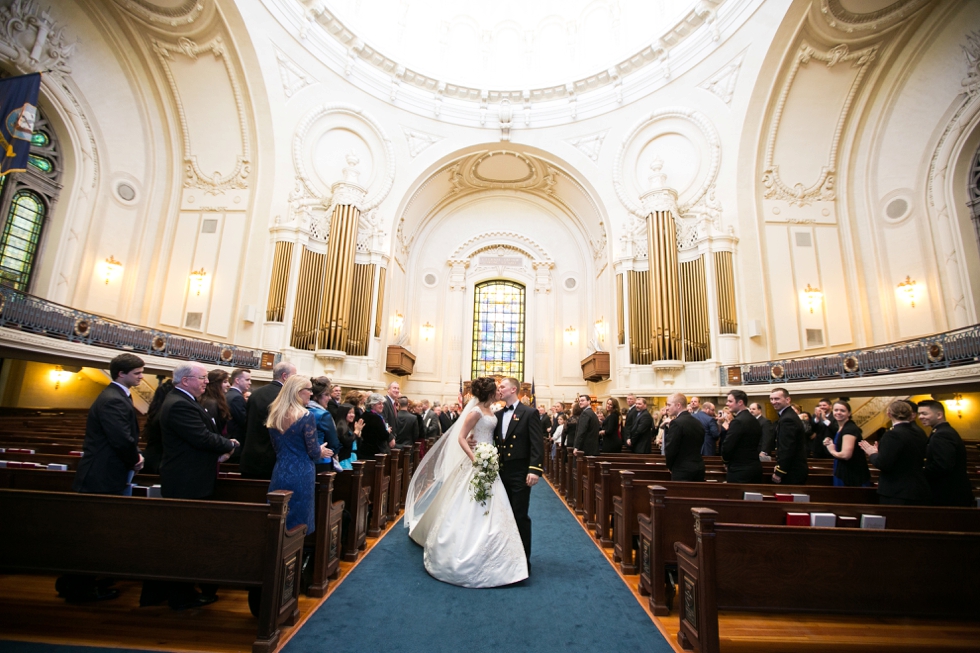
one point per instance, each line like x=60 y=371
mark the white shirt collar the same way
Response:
x=124 y=388
x=186 y=393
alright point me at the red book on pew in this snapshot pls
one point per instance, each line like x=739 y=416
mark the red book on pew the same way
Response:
x=784 y=497
x=28 y=451
x=797 y=519
x=75 y=453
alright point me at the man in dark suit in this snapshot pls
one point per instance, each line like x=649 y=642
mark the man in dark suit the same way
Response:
x=258 y=455
x=740 y=450
x=521 y=447
x=445 y=418
x=110 y=455
x=640 y=432
x=945 y=467
x=683 y=442
x=587 y=431
x=333 y=404
x=710 y=445
x=791 y=441
x=390 y=406
x=631 y=414
x=545 y=420
x=241 y=382
x=821 y=428
x=767 y=440
x=376 y=435
x=430 y=422
x=192 y=450
x=406 y=424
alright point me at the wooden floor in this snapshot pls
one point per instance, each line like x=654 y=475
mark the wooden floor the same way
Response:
x=748 y=632
x=30 y=610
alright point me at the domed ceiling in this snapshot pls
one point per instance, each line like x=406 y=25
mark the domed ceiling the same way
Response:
x=509 y=43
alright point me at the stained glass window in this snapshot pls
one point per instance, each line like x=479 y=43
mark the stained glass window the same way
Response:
x=40 y=139
x=41 y=163
x=21 y=234
x=498 y=329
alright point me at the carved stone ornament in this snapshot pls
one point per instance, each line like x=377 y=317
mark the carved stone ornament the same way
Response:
x=418 y=140
x=722 y=83
x=293 y=78
x=589 y=145
x=824 y=188
x=31 y=40
x=184 y=13
x=971 y=49
x=213 y=183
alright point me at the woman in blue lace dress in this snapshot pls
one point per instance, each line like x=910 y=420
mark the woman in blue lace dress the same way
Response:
x=292 y=430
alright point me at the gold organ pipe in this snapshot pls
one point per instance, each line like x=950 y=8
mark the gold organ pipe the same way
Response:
x=619 y=310
x=381 y=298
x=339 y=287
x=640 y=331
x=664 y=288
x=725 y=282
x=276 y=307
x=360 y=310
x=310 y=285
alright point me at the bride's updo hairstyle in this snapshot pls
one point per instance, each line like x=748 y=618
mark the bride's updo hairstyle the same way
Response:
x=483 y=388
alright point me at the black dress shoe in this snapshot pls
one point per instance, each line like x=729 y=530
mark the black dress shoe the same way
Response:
x=189 y=603
x=95 y=594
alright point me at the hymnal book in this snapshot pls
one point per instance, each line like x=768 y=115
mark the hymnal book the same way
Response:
x=57 y=467
x=872 y=521
x=784 y=497
x=801 y=498
x=797 y=519
x=752 y=496
x=824 y=519
x=847 y=522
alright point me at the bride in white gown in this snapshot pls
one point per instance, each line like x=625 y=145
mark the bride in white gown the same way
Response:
x=466 y=543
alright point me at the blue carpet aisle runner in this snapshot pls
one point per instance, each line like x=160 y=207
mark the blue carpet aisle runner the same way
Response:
x=574 y=601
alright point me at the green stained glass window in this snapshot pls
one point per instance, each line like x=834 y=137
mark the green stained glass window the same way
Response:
x=40 y=139
x=21 y=234
x=41 y=163
x=498 y=329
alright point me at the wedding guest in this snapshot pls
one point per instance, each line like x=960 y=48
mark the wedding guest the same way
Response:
x=682 y=444
x=609 y=431
x=152 y=433
x=406 y=430
x=355 y=399
x=375 y=437
x=791 y=467
x=258 y=454
x=740 y=449
x=545 y=420
x=326 y=429
x=768 y=441
x=711 y=434
x=334 y=402
x=558 y=436
x=292 y=430
x=348 y=432
x=822 y=426
x=241 y=382
x=945 y=467
x=631 y=413
x=850 y=461
x=662 y=427
x=214 y=402
x=587 y=430
x=640 y=438
x=899 y=455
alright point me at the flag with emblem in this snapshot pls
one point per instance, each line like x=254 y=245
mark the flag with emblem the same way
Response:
x=532 y=404
x=18 y=111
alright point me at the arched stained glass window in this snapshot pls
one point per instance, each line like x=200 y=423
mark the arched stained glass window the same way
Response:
x=498 y=329
x=21 y=235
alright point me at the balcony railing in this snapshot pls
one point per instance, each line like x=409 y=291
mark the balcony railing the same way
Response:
x=943 y=350
x=32 y=314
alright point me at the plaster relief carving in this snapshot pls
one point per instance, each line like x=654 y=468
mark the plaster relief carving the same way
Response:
x=722 y=83
x=873 y=21
x=293 y=77
x=31 y=40
x=823 y=189
x=971 y=49
x=418 y=140
x=215 y=182
x=589 y=145
x=184 y=13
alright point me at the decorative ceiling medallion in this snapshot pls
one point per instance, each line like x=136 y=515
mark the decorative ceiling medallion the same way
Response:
x=510 y=170
x=503 y=168
x=847 y=21
x=589 y=145
x=418 y=140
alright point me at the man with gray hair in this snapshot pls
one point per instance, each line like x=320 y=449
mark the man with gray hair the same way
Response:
x=375 y=436
x=258 y=456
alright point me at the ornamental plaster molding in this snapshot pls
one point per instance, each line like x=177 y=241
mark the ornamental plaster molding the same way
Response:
x=214 y=183
x=874 y=21
x=418 y=140
x=710 y=134
x=722 y=83
x=292 y=75
x=824 y=188
x=971 y=49
x=509 y=239
x=183 y=14
x=589 y=145
x=31 y=40
x=299 y=138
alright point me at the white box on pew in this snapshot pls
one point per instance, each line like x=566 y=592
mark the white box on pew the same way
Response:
x=155 y=492
x=872 y=521
x=801 y=498
x=752 y=496
x=824 y=519
x=57 y=467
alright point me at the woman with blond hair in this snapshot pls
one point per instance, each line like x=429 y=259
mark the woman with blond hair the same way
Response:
x=292 y=430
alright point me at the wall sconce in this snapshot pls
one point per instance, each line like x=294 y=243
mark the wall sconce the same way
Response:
x=397 y=322
x=812 y=297
x=907 y=289
x=957 y=403
x=570 y=335
x=60 y=375
x=198 y=280
x=600 y=329
x=111 y=269
x=427 y=331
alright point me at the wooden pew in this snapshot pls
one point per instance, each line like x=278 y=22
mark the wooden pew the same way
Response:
x=670 y=520
x=892 y=573
x=349 y=485
x=376 y=477
x=160 y=539
x=394 y=471
x=328 y=513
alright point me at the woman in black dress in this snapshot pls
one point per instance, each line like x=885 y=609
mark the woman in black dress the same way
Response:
x=213 y=399
x=609 y=431
x=850 y=461
x=899 y=455
x=152 y=434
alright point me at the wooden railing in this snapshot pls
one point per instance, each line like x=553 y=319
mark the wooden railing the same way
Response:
x=19 y=310
x=943 y=350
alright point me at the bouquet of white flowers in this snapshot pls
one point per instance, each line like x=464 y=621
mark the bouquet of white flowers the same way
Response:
x=486 y=462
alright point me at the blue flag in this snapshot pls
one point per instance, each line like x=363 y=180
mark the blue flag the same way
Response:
x=18 y=111
x=533 y=403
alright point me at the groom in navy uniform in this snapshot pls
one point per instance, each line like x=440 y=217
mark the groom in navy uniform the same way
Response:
x=521 y=447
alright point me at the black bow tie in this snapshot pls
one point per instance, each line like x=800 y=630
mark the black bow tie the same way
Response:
x=511 y=407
